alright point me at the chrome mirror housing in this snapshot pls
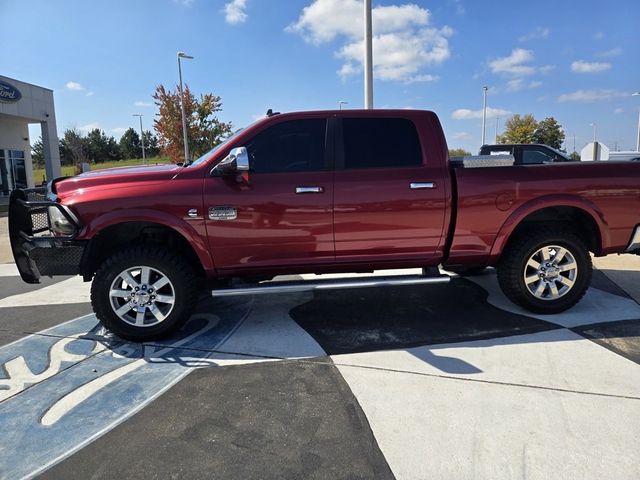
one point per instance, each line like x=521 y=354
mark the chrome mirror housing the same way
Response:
x=237 y=161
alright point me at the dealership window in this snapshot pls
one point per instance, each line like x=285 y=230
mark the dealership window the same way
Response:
x=4 y=174
x=18 y=169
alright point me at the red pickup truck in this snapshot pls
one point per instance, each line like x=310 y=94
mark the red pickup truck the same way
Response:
x=322 y=192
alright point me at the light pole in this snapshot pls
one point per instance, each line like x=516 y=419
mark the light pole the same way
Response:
x=144 y=158
x=184 y=118
x=638 y=138
x=342 y=102
x=484 y=112
x=368 y=57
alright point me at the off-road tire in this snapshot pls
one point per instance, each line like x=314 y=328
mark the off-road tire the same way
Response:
x=186 y=285
x=514 y=259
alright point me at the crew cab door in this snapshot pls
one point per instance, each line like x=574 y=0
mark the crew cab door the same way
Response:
x=281 y=214
x=389 y=195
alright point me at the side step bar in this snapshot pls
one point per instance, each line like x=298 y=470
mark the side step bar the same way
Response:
x=330 y=284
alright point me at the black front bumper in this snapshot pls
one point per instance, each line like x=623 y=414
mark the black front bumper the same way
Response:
x=36 y=250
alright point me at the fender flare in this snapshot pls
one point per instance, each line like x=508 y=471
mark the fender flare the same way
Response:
x=539 y=203
x=186 y=230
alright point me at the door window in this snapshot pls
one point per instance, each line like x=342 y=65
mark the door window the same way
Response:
x=380 y=142
x=293 y=146
x=535 y=157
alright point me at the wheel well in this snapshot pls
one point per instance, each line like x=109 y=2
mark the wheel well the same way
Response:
x=564 y=218
x=129 y=234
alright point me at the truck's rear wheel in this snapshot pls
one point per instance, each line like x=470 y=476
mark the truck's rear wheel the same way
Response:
x=545 y=272
x=144 y=293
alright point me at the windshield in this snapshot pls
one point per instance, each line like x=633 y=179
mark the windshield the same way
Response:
x=207 y=155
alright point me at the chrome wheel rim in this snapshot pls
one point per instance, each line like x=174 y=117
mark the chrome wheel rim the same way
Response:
x=550 y=273
x=142 y=296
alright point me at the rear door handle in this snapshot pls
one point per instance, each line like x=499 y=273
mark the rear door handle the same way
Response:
x=309 y=189
x=418 y=185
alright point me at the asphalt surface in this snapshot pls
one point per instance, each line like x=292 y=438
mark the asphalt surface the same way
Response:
x=446 y=381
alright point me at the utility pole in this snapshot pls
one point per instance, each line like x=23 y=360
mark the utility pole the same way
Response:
x=368 y=57
x=484 y=112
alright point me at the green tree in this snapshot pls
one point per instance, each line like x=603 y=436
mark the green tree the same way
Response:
x=101 y=148
x=73 y=147
x=574 y=156
x=204 y=129
x=458 y=152
x=549 y=132
x=130 y=144
x=519 y=129
x=37 y=152
x=151 y=147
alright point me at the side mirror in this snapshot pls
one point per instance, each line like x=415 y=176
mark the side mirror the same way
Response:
x=236 y=162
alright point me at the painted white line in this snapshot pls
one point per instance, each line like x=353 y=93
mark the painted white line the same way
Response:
x=9 y=270
x=596 y=306
x=552 y=359
x=433 y=427
x=73 y=290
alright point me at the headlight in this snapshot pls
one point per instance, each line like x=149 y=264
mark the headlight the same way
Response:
x=58 y=223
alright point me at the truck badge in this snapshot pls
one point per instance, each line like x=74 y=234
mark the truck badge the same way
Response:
x=222 y=213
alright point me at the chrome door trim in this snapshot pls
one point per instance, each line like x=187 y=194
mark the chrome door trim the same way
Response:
x=420 y=185
x=309 y=189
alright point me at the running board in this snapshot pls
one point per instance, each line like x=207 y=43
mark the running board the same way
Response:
x=330 y=284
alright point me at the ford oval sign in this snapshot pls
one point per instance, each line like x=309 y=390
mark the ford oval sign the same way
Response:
x=9 y=93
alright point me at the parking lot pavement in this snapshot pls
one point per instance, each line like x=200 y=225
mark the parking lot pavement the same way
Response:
x=444 y=381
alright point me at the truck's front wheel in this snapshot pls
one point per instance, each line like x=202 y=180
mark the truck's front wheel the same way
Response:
x=545 y=272
x=144 y=293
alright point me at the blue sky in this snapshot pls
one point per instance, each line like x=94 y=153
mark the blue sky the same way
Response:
x=576 y=61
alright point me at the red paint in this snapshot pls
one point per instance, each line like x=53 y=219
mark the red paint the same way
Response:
x=362 y=220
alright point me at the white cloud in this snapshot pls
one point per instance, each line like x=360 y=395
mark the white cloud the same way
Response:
x=118 y=130
x=89 y=94
x=590 y=96
x=598 y=35
x=403 y=42
x=184 y=3
x=514 y=63
x=614 y=52
x=235 y=12
x=460 y=136
x=466 y=114
x=140 y=103
x=74 y=86
x=618 y=110
x=580 y=66
x=88 y=127
x=535 y=84
x=537 y=34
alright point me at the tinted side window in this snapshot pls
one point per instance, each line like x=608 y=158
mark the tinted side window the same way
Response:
x=293 y=146
x=380 y=142
x=535 y=156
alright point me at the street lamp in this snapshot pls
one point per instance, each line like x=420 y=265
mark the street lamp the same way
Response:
x=595 y=127
x=484 y=112
x=638 y=139
x=184 y=118
x=144 y=158
x=342 y=102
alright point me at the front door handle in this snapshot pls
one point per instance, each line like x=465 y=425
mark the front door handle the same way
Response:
x=418 y=185
x=309 y=189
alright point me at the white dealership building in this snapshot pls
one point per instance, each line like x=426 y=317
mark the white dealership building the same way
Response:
x=22 y=104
